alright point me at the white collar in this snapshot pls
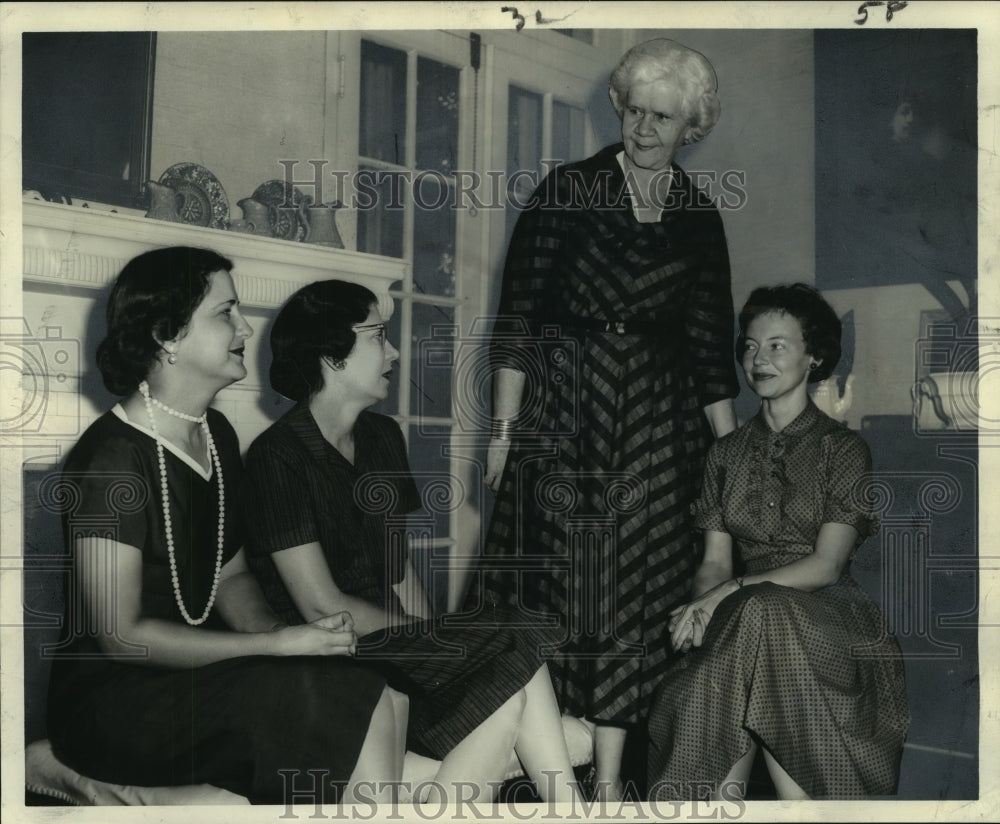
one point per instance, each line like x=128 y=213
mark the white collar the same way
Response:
x=620 y=157
x=119 y=412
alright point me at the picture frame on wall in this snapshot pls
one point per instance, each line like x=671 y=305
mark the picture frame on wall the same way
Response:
x=87 y=105
x=896 y=161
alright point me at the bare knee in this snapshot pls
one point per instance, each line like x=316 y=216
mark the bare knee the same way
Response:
x=384 y=715
x=376 y=756
x=513 y=708
x=400 y=703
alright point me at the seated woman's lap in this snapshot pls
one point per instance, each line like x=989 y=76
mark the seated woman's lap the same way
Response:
x=234 y=723
x=457 y=672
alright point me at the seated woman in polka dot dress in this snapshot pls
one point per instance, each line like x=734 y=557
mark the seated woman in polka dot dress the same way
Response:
x=790 y=656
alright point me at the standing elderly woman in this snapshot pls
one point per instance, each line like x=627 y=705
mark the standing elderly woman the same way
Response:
x=784 y=651
x=629 y=259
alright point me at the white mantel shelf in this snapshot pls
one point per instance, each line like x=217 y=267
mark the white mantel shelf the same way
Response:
x=86 y=248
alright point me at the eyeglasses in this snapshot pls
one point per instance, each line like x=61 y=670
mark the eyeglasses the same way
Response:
x=368 y=326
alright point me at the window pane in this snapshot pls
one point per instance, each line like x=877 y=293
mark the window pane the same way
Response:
x=86 y=114
x=432 y=360
x=437 y=116
x=380 y=196
x=524 y=148
x=583 y=35
x=433 y=237
x=524 y=129
x=383 y=103
x=567 y=132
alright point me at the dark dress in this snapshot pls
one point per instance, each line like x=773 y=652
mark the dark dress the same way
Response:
x=300 y=489
x=234 y=723
x=815 y=677
x=593 y=510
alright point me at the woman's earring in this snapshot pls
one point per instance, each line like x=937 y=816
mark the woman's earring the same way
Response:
x=812 y=366
x=171 y=358
x=335 y=364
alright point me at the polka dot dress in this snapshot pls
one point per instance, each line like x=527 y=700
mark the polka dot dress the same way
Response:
x=815 y=677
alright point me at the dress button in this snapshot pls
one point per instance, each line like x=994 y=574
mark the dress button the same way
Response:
x=770 y=504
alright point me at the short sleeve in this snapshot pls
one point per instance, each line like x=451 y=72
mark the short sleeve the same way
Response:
x=278 y=507
x=707 y=510
x=848 y=471
x=105 y=482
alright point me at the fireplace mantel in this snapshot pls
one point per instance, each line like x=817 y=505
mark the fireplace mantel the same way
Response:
x=72 y=253
x=86 y=248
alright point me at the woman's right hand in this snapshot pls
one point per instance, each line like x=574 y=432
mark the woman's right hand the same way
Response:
x=331 y=635
x=496 y=460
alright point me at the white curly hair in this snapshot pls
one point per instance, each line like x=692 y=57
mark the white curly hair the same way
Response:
x=663 y=59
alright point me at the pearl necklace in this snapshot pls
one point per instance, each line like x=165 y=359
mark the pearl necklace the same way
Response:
x=184 y=416
x=168 y=528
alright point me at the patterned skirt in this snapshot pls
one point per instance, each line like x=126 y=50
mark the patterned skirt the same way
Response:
x=457 y=672
x=815 y=678
x=594 y=533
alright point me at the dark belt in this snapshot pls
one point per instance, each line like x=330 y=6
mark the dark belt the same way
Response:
x=620 y=327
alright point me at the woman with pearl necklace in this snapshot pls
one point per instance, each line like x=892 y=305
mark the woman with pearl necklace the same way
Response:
x=173 y=669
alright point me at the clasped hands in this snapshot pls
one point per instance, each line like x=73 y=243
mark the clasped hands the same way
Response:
x=689 y=622
x=329 y=635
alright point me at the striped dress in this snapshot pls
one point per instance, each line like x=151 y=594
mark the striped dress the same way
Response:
x=301 y=489
x=591 y=526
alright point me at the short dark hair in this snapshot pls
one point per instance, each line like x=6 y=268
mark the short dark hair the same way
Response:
x=315 y=323
x=820 y=324
x=152 y=300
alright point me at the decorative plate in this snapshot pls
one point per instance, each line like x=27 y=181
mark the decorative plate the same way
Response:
x=284 y=217
x=203 y=201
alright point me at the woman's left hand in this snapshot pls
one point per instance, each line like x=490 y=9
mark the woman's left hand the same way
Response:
x=689 y=623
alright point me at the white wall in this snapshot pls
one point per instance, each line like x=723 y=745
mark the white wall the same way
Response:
x=236 y=102
x=766 y=131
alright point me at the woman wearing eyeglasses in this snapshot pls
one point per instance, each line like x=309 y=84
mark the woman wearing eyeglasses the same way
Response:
x=174 y=671
x=323 y=481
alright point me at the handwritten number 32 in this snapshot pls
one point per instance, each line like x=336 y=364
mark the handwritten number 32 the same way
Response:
x=513 y=13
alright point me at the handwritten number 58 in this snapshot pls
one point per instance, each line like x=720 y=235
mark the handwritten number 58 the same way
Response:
x=891 y=7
